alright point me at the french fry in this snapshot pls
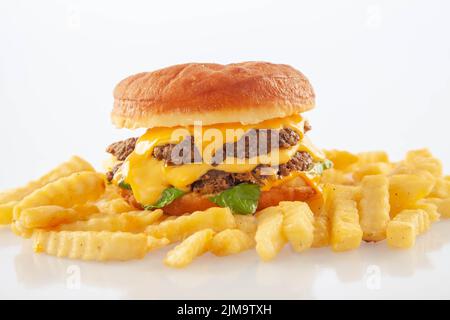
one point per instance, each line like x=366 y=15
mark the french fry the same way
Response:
x=112 y=192
x=192 y=247
x=430 y=207
x=6 y=212
x=321 y=222
x=333 y=192
x=371 y=168
x=372 y=156
x=321 y=234
x=75 y=189
x=334 y=176
x=70 y=212
x=214 y=218
x=48 y=216
x=168 y=218
x=444 y=208
x=345 y=231
x=422 y=160
x=317 y=204
x=374 y=207
x=132 y=221
x=269 y=233
x=341 y=159
x=298 y=224
x=231 y=241
x=405 y=227
x=18 y=229
x=74 y=164
x=246 y=223
x=112 y=206
x=100 y=246
x=412 y=155
x=441 y=189
x=406 y=189
x=86 y=209
x=442 y=205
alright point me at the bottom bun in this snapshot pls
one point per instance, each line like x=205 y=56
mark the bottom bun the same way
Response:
x=194 y=202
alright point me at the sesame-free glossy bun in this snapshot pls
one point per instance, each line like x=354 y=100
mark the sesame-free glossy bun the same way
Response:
x=248 y=92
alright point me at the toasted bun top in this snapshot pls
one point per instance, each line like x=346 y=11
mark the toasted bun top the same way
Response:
x=247 y=92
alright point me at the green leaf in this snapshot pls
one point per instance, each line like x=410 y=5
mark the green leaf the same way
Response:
x=327 y=164
x=124 y=185
x=319 y=167
x=167 y=196
x=241 y=199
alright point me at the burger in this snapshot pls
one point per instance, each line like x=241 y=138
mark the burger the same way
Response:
x=216 y=135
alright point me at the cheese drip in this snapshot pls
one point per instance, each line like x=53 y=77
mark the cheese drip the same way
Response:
x=148 y=177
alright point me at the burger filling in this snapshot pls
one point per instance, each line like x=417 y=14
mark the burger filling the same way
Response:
x=215 y=181
x=157 y=170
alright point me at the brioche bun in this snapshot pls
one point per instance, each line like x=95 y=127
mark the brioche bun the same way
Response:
x=248 y=92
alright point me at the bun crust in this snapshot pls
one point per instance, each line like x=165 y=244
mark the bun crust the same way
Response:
x=248 y=92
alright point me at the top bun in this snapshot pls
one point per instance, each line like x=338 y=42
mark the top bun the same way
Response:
x=247 y=92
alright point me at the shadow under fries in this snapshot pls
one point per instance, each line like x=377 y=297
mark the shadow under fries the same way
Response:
x=239 y=276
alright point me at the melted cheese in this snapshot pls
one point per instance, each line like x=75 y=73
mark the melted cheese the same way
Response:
x=148 y=177
x=306 y=178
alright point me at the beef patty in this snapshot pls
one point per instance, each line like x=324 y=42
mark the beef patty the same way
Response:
x=215 y=181
x=122 y=149
x=250 y=145
x=255 y=142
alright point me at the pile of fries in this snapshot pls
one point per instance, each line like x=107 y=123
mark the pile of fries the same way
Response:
x=72 y=212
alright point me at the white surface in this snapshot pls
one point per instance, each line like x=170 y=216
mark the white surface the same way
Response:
x=372 y=272
x=381 y=71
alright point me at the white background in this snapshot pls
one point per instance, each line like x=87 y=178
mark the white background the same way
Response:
x=380 y=69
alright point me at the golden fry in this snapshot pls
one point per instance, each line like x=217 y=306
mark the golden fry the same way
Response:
x=442 y=205
x=246 y=223
x=403 y=229
x=372 y=156
x=430 y=207
x=6 y=212
x=112 y=206
x=335 y=176
x=86 y=209
x=423 y=160
x=333 y=192
x=112 y=192
x=67 y=192
x=441 y=189
x=341 y=159
x=372 y=168
x=406 y=189
x=346 y=233
x=48 y=216
x=269 y=234
x=321 y=220
x=192 y=247
x=133 y=221
x=321 y=234
x=20 y=230
x=231 y=241
x=215 y=218
x=100 y=246
x=74 y=164
x=298 y=224
x=374 y=207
